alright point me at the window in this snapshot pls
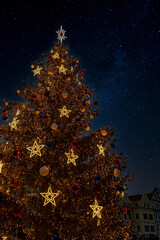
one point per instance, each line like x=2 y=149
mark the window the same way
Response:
x=136 y=204
x=138 y=228
x=145 y=204
x=146 y=228
x=150 y=217
x=145 y=216
x=152 y=228
x=125 y=216
x=129 y=215
x=137 y=216
x=148 y=205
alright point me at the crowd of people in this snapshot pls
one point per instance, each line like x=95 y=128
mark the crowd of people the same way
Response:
x=143 y=237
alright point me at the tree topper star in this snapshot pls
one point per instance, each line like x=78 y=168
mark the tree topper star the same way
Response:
x=37 y=70
x=62 y=69
x=61 y=34
x=49 y=197
x=71 y=157
x=96 y=209
x=35 y=149
x=101 y=149
x=1 y=165
x=64 y=112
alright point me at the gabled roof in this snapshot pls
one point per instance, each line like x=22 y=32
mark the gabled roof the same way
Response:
x=135 y=197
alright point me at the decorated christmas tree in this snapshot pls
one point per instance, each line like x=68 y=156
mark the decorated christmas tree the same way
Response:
x=59 y=180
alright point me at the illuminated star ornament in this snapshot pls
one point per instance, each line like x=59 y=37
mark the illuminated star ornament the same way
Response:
x=14 y=122
x=49 y=197
x=64 y=112
x=62 y=69
x=61 y=34
x=37 y=70
x=56 y=55
x=101 y=149
x=35 y=149
x=71 y=157
x=4 y=238
x=1 y=165
x=96 y=209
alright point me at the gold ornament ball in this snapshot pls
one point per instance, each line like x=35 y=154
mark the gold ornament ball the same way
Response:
x=54 y=126
x=66 y=52
x=91 y=116
x=62 y=60
x=87 y=102
x=104 y=132
x=6 y=103
x=37 y=112
x=65 y=95
x=77 y=61
x=83 y=110
x=18 y=91
x=49 y=72
x=39 y=84
x=32 y=66
x=87 y=128
x=51 y=50
x=44 y=171
x=121 y=195
x=68 y=79
x=117 y=172
x=79 y=82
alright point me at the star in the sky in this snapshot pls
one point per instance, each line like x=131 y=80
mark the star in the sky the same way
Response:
x=96 y=209
x=62 y=69
x=64 y=112
x=61 y=34
x=71 y=157
x=35 y=149
x=49 y=197
x=14 y=122
x=37 y=70
x=101 y=149
x=1 y=165
x=56 y=55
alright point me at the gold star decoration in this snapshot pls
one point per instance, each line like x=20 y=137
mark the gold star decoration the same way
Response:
x=35 y=149
x=64 y=112
x=101 y=149
x=56 y=55
x=71 y=157
x=62 y=69
x=96 y=209
x=37 y=70
x=49 y=197
x=4 y=238
x=61 y=34
x=14 y=122
x=1 y=165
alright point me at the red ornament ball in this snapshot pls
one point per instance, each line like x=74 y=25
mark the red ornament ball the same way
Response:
x=5 y=111
x=83 y=104
x=34 y=96
x=115 y=161
x=15 y=184
x=17 y=153
x=95 y=113
x=74 y=188
x=45 y=117
x=74 y=144
x=18 y=211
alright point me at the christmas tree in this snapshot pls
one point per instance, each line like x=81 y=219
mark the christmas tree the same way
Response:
x=57 y=179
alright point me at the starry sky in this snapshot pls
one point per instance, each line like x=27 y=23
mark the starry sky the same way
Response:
x=118 y=43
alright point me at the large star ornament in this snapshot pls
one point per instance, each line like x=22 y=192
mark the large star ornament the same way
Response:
x=62 y=69
x=14 y=122
x=56 y=55
x=35 y=149
x=49 y=197
x=101 y=149
x=4 y=238
x=64 y=112
x=1 y=165
x=37 y=70
x=96 y=209
x=71 y=157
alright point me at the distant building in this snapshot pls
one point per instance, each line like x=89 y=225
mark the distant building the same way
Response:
x=144 y=212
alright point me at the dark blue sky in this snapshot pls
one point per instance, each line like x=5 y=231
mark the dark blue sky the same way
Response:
x=118 y=43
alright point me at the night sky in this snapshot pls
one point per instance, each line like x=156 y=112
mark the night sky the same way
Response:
x=118 y=43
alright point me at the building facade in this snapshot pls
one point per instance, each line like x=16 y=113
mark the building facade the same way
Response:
x=144 y=213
